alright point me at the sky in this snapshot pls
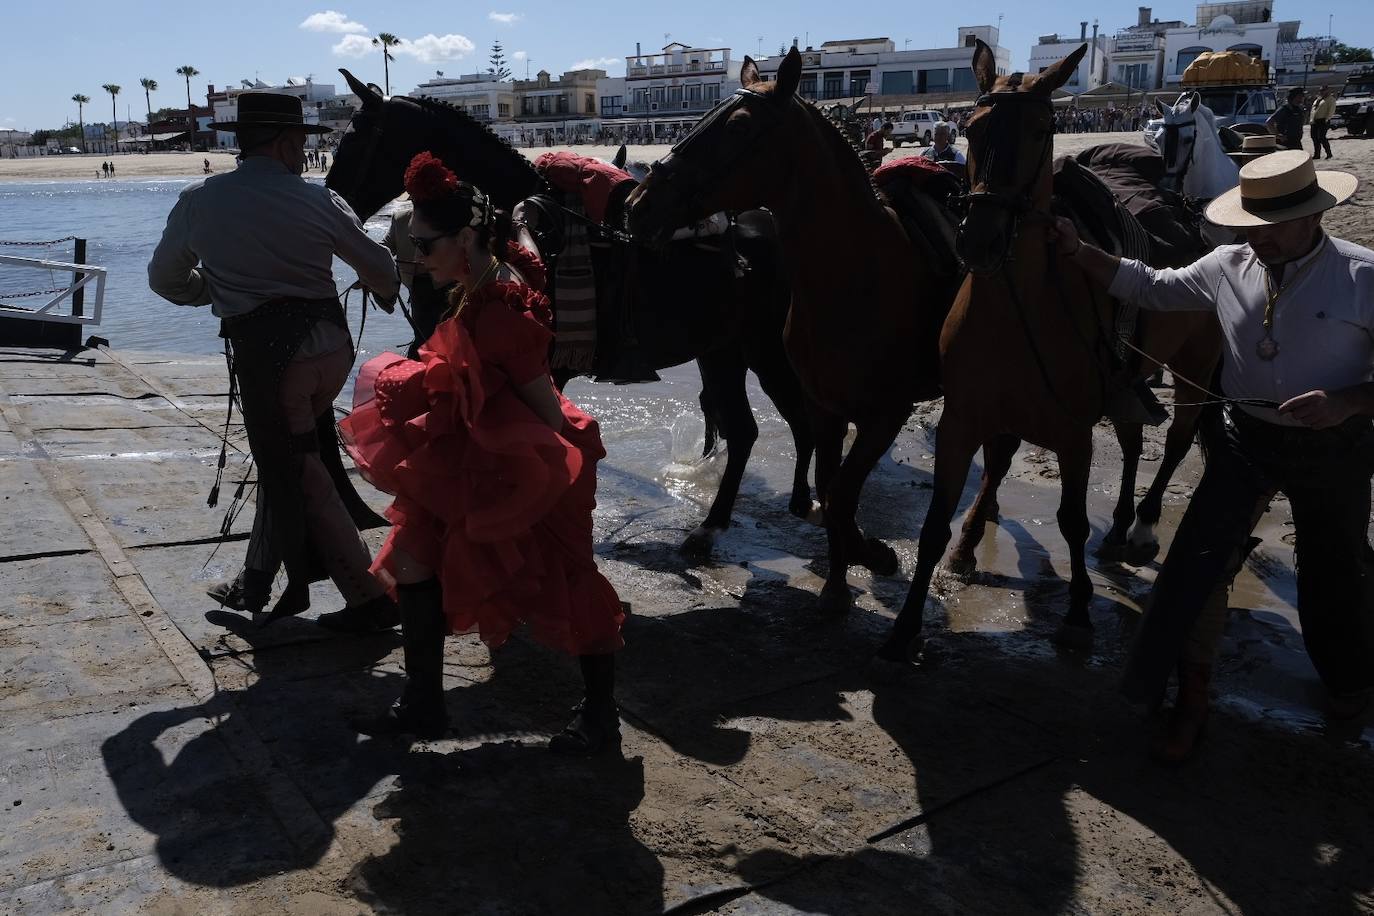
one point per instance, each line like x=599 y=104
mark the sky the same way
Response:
x=54 y=50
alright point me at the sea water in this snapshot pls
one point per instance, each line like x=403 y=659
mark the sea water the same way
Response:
x=654 y=430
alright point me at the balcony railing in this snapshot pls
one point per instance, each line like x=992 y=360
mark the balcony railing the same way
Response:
x=640 y=71
x=689 y=105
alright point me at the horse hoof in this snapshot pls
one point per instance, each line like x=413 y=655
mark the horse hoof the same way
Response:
x=804 y=507
x=814 y=515
x=961 y=568
x=701 y=541
x=1140 y=554
x=879 y=559
x=1074 y=637
x=835 y=602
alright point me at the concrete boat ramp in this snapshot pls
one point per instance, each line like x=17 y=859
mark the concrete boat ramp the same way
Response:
x=159 y=756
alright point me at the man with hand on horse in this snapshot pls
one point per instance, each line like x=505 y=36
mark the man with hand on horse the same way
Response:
x=264 y=240
x=1286 y=122
x=1297 y=315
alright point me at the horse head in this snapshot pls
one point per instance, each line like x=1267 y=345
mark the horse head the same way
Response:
x=729 y=160
x=386 y=133
x=1178 y=138
x=1195 y=160
x=1011 y=144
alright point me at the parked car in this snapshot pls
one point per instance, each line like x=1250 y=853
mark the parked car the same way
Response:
x=916 y=126
x=1355 y=106
x=1234 y=105
x=72 y=149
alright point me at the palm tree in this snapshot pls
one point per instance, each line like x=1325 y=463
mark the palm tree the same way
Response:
x=149 y=87
x=113 y=90
x=81 y=101
x=387 y=42
x=188 y=71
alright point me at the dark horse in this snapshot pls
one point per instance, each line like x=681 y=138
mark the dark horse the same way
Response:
x=866 y=309
x=687 y=303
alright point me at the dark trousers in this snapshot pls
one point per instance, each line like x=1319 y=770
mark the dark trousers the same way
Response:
x=1319 y=141
x=1326 y=476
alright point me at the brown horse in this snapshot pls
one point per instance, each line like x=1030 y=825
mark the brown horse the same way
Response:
x=1025 y=351
x=861 y=342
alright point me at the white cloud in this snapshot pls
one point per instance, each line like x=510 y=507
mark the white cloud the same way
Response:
x=519 y=55
x=595 y=63
x=354 y=46
x=332 y=21
x=431 y=48
x=505 y=18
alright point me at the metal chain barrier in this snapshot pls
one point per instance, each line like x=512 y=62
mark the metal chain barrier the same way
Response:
x=39 y=292
x=66 y=238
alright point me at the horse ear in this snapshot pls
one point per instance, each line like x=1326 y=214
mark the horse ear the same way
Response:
x=749 y=73
x=789 y=76
x=1195 y=101
x=620 y=155
x=1161 y=107
x=984 y=66
x=1058 y=73
x=370 y=99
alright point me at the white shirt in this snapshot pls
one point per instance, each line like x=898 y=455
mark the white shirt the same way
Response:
x=949 y=154
x=261 y=233
x=1323 y=322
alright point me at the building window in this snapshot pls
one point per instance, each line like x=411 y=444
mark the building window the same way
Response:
x=1253 y=50
x=932 y=80
x=657 y=95
x=694 y=92
x=589 y=103
x=675 y=95
x=898 y=82
x=527 y=106
x=611 y=105
x=712 y=92
x=858 y=82
x=503 y=109
x=1187 y=56
x=481 y=111
x=833 y=87
x=1133 y=76
x=562 y=104
x=543 y=104
x=807 y=89
x=964 y=80
x=641 y=98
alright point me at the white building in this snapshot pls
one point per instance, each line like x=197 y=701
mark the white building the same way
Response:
x=313 y=96
x=1136 y=53
x=1238 y=25
x=848 y=69
x=478 y=94
x=675 y=85
x=1091 y=71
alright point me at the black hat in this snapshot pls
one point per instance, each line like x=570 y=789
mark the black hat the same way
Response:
x=270 y=109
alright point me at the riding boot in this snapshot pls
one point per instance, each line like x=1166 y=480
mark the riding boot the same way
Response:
x=596 y=722
x=248 y=591
x=420 y=711
x=1183 y=732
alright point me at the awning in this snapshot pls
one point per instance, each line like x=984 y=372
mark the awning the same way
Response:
x=155 y=138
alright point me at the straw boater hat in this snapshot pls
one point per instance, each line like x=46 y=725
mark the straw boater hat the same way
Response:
x=269 y=110
x=1279 y=187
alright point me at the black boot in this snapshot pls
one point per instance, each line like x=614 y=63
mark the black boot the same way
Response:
x=596 y=725
x=420 y=711
x=248 y=591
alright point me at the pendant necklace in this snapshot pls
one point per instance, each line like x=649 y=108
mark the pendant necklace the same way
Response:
x=482 y=281
x=1268 y=347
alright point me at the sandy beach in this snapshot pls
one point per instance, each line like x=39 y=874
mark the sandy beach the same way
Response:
x=1353 y=221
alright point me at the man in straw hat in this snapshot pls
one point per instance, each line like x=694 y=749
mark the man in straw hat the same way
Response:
x=264 y=240
x=1296 y=309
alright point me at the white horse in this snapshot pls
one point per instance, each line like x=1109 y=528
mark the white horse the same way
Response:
x=1195 y=162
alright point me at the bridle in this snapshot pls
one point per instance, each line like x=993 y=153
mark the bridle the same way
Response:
x=1001 y=156
x=1172 y=138
x=691 y=165
x=374 y=139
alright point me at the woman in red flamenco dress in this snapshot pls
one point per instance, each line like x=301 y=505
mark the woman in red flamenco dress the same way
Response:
x=493 y=471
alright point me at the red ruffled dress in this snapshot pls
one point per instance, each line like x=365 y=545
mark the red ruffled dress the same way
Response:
x=486 y=494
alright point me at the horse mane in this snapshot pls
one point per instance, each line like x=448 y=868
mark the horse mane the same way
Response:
x=847 y=155
x=492 y=150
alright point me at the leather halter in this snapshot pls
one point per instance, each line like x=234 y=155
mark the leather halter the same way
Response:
x=1172 y=138
x=691 y=166
x=1007 y=141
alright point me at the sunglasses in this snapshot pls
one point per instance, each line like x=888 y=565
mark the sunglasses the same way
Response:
x=425 y=246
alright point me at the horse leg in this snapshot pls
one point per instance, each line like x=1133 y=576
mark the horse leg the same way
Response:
x=1074 y=465
x=1196 y=362
x=1131 y=438
x=779 y=382
x=725 y=401
x=997 y=456
x=829 y=431
x=952 y=459
x=874 y=438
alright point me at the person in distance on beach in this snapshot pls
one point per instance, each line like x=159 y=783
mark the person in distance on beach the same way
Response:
x=264 y=240
x=1297 y=315
x=492 y=469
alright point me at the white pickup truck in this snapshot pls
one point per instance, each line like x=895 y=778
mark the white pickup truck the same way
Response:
x=917 y=127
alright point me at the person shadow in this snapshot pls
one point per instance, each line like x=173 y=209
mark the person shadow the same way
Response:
x=473 y=815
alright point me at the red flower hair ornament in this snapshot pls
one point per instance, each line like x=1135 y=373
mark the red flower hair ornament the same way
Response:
x=429 y=181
